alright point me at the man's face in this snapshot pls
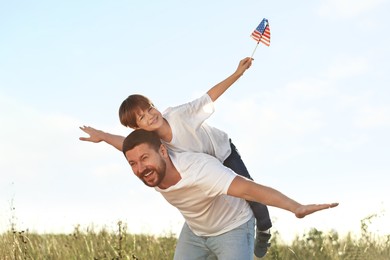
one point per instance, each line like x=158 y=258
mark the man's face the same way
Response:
x=147 y=164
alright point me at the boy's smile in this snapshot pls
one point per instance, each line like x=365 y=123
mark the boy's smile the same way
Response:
x=149 y=119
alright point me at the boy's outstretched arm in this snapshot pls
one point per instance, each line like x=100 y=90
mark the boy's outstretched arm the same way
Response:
x=97 y=136
x=251 y=191
x=216 y=91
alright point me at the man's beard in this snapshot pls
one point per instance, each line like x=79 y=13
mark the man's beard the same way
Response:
x=159 y=170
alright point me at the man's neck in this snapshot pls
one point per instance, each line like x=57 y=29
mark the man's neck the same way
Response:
x=172 y=175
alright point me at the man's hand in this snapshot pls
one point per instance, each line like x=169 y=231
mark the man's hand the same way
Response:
x=305 y=210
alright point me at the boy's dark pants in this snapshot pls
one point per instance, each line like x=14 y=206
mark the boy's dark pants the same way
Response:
x=234 y=162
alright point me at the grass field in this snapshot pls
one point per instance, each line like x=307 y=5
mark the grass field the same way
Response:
x=118 y=244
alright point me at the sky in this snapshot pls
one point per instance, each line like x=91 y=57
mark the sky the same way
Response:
x=310 y=118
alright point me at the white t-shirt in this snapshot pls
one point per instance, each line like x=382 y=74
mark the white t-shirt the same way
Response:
x=190 y=133
x=201 y=197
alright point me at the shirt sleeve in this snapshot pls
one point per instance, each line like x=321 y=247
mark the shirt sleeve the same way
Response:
x=212 y=176
x=196 y=111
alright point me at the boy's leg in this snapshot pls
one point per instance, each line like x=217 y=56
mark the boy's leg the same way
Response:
x=263 y=220
x=234 y=244
x=191 y=246
x=234 y=162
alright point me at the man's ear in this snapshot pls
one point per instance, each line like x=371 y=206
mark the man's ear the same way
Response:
x=163 y=151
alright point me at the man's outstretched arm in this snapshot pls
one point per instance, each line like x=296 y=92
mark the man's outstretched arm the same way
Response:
x=251 y=191
x=96 y=136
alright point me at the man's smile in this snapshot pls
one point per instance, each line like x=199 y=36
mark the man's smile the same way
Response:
x=147 y=173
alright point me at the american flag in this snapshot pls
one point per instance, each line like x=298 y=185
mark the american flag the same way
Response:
x=262 y=33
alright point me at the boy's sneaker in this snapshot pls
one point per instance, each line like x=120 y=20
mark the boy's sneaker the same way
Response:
x=261 y=243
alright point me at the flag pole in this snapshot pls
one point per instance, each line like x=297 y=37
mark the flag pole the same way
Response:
x=255 y=49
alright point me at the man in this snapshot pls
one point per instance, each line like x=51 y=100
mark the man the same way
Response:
x=212 y=198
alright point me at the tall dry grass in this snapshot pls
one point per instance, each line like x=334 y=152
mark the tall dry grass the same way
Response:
x=118 y=244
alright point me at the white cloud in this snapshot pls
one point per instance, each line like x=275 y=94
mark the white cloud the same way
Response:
x=308 y=88
x=33 y=140
x=347 y=8
x=373 y=116
x=343 y=143
x=346 y=68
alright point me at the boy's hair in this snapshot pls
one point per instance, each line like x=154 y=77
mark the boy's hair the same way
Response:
x=129 y=108
x=140 y=136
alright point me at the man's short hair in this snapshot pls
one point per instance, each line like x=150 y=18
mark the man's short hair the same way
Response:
x=140 y=136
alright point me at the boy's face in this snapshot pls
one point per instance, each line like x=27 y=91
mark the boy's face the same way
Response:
x=149 y=119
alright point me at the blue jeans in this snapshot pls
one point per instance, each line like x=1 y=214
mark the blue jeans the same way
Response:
x=232 y=245
x=234 y=162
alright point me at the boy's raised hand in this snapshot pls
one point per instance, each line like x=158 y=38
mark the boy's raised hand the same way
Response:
x=244 y=65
